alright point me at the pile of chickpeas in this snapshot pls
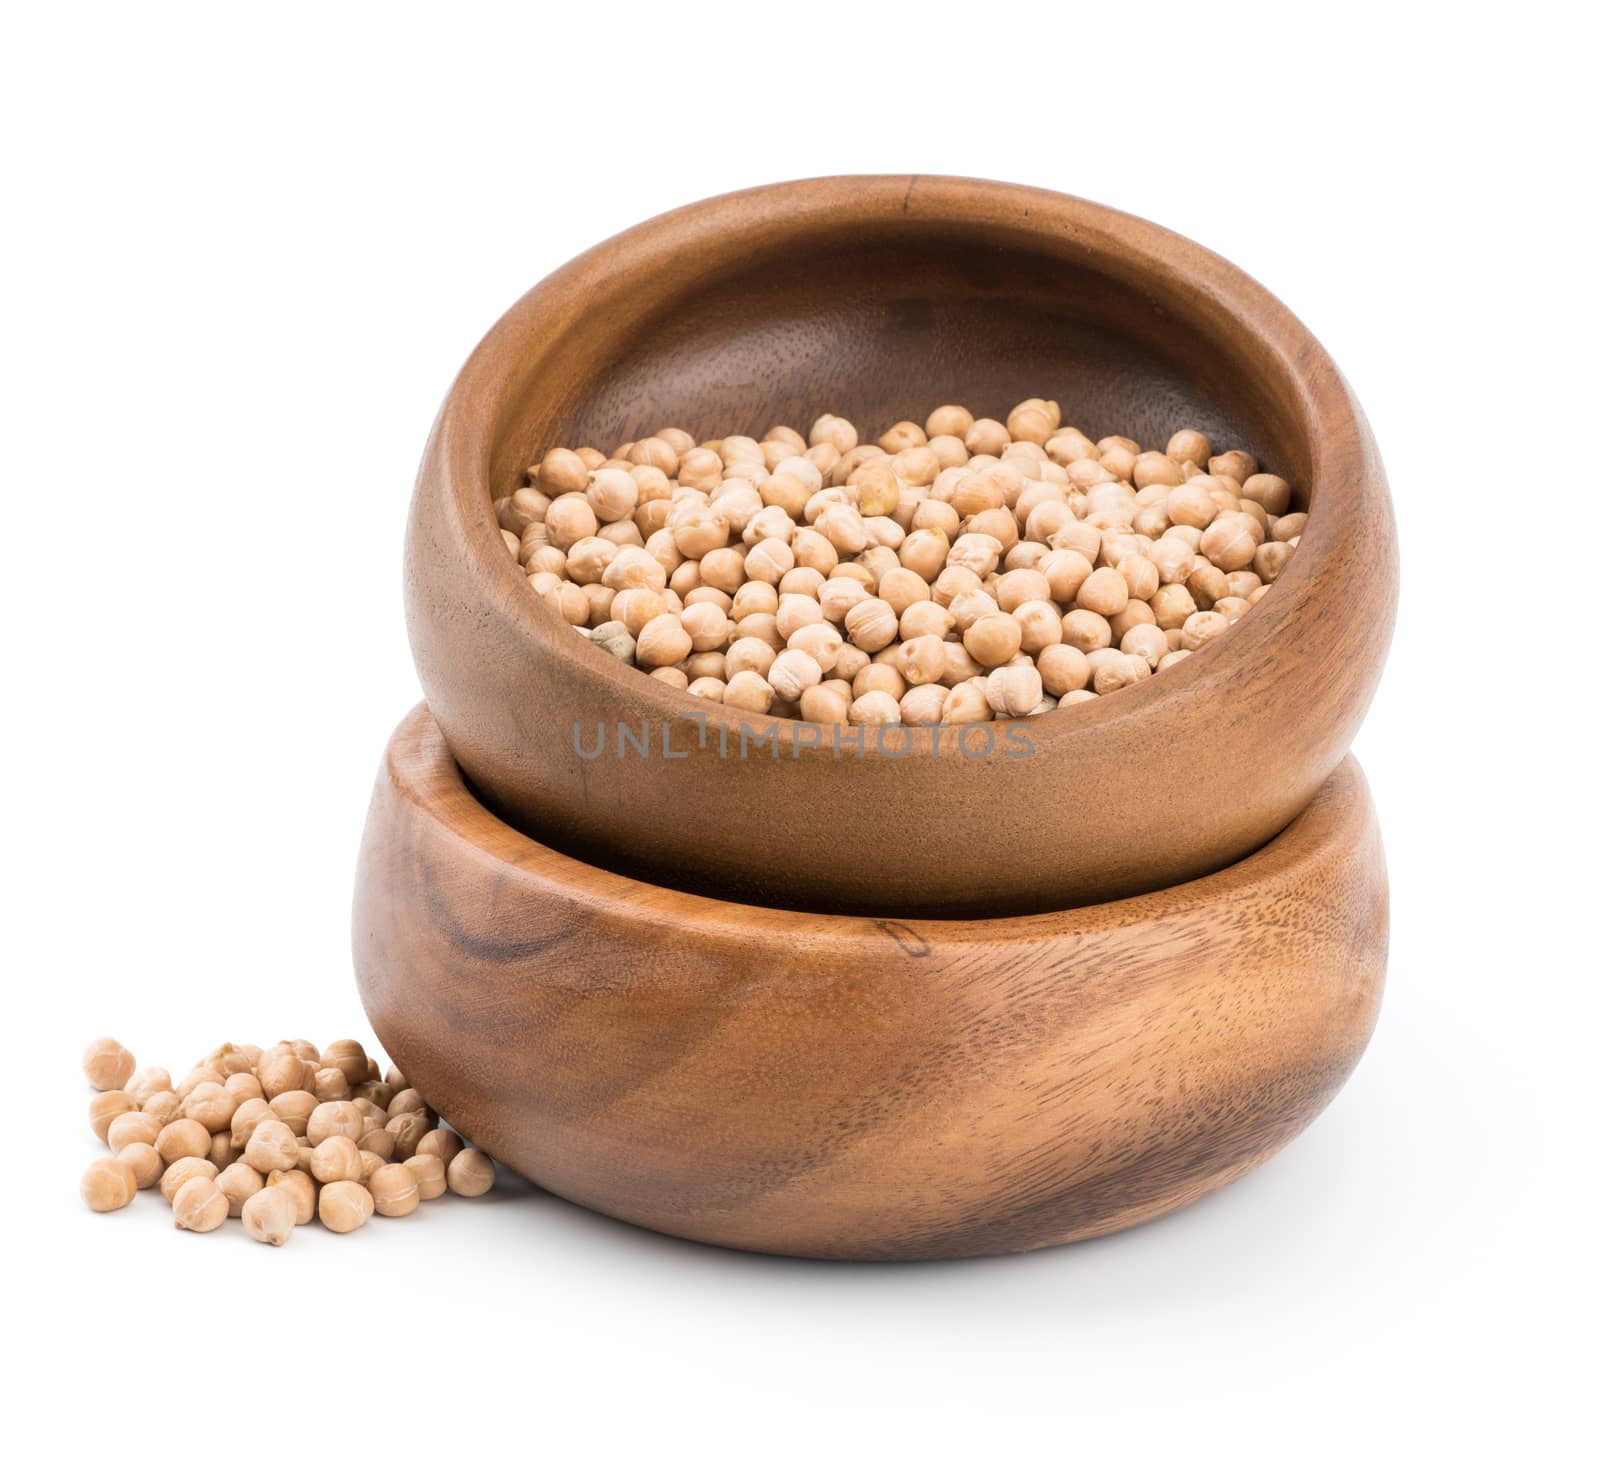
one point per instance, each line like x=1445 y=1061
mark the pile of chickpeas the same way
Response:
x=271 y=1138
x=955 y=571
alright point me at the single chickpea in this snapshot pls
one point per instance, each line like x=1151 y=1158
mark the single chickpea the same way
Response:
x=300 y=1188
x=747 y=690
x=108 y=1185
x=243 y=1087
x=986 y=437
x=1014 y=689
x=271 y=1146
x=338 y=1157
x=245 y=1118
x=295 y=1108
x=830 y=429
x=561 y=472
x=143 y=1084
x=925 y=552
x=345 y=1205
x=1145 y=641
x=1206 y=584
x=107 y=1064
x=145 y=1163
x=279 y=1071
x=394 y=1190
x=183 y=1139
x=1173 y=605
x=1288 y=528
x=901 y=436
x=133 y=1127
x=199 y=1205
x=1085 y=630
x=1269 y=561
x=377 y=1141
x=429 y=1172
x=875 y=707
x=663 y=640
x=211 y=1105
x=238 y=1182
x=1062 y=669
x=1200 y=628
x=470 y=1173
x=825 y=704
x=1117 y=671
x=328 y=1119
x=1189 y=446
x=163 y=1107
x=269 y=1215
x=182 y=1170
x=1104 y=592
x=923 y=705
x=993 y=640
x=965 y=703
x=949 y=420
x=922 y=660
x=792 y=673
x=330 y=1085
x=871 y=624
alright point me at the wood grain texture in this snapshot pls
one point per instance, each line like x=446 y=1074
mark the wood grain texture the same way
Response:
x=879 y=298
x=841 y=1086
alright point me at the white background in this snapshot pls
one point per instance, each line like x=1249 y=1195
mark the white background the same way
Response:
x=246 y=251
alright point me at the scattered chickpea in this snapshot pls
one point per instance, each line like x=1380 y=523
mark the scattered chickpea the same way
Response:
x=271 y=1146
x=470 y=1173
x=181 y=1171
x=344 y=1206
x=199 y=1205
x=300 y=1188
x=428 y=1171
x=145 y=1163
x=107 y=1064
x=269 y=1215
x=108 y=1185
x=239 y=1182
x=394 y=1190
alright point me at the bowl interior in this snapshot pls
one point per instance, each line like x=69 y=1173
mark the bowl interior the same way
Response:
x=722 y=322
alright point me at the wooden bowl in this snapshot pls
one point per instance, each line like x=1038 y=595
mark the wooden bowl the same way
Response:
x=841 y=1086
x=879 y=298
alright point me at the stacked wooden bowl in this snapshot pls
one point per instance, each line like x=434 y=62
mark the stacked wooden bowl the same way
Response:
x=883 y=1007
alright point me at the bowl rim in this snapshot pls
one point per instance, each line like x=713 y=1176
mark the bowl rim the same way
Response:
x=1341 y=455
x=422 y=776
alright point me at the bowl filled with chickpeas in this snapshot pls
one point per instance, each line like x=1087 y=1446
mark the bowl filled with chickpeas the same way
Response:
x=918 y=547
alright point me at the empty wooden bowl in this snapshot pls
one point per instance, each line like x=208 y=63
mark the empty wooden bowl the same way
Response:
x=880 y=298
x=839 y=1086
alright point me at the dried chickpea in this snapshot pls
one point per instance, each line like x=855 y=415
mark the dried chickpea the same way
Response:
x=108 y=1185
x=183 y=1139
x=300 y=1188
x=145 y=1083
x=328 y=1119
x=344 y=1206
x=338 y=1157
x=180 y=1171
x=428 y=1171
x=238 y=1183
x=199 y=1205
x=269 y=1215
x=470 y=1173
x=107 y=1064
x=295 y=1108
x=210 y=1105
x=105 y=1107
x=132 y=1127
x=394 y=1190
x=145 y=1163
